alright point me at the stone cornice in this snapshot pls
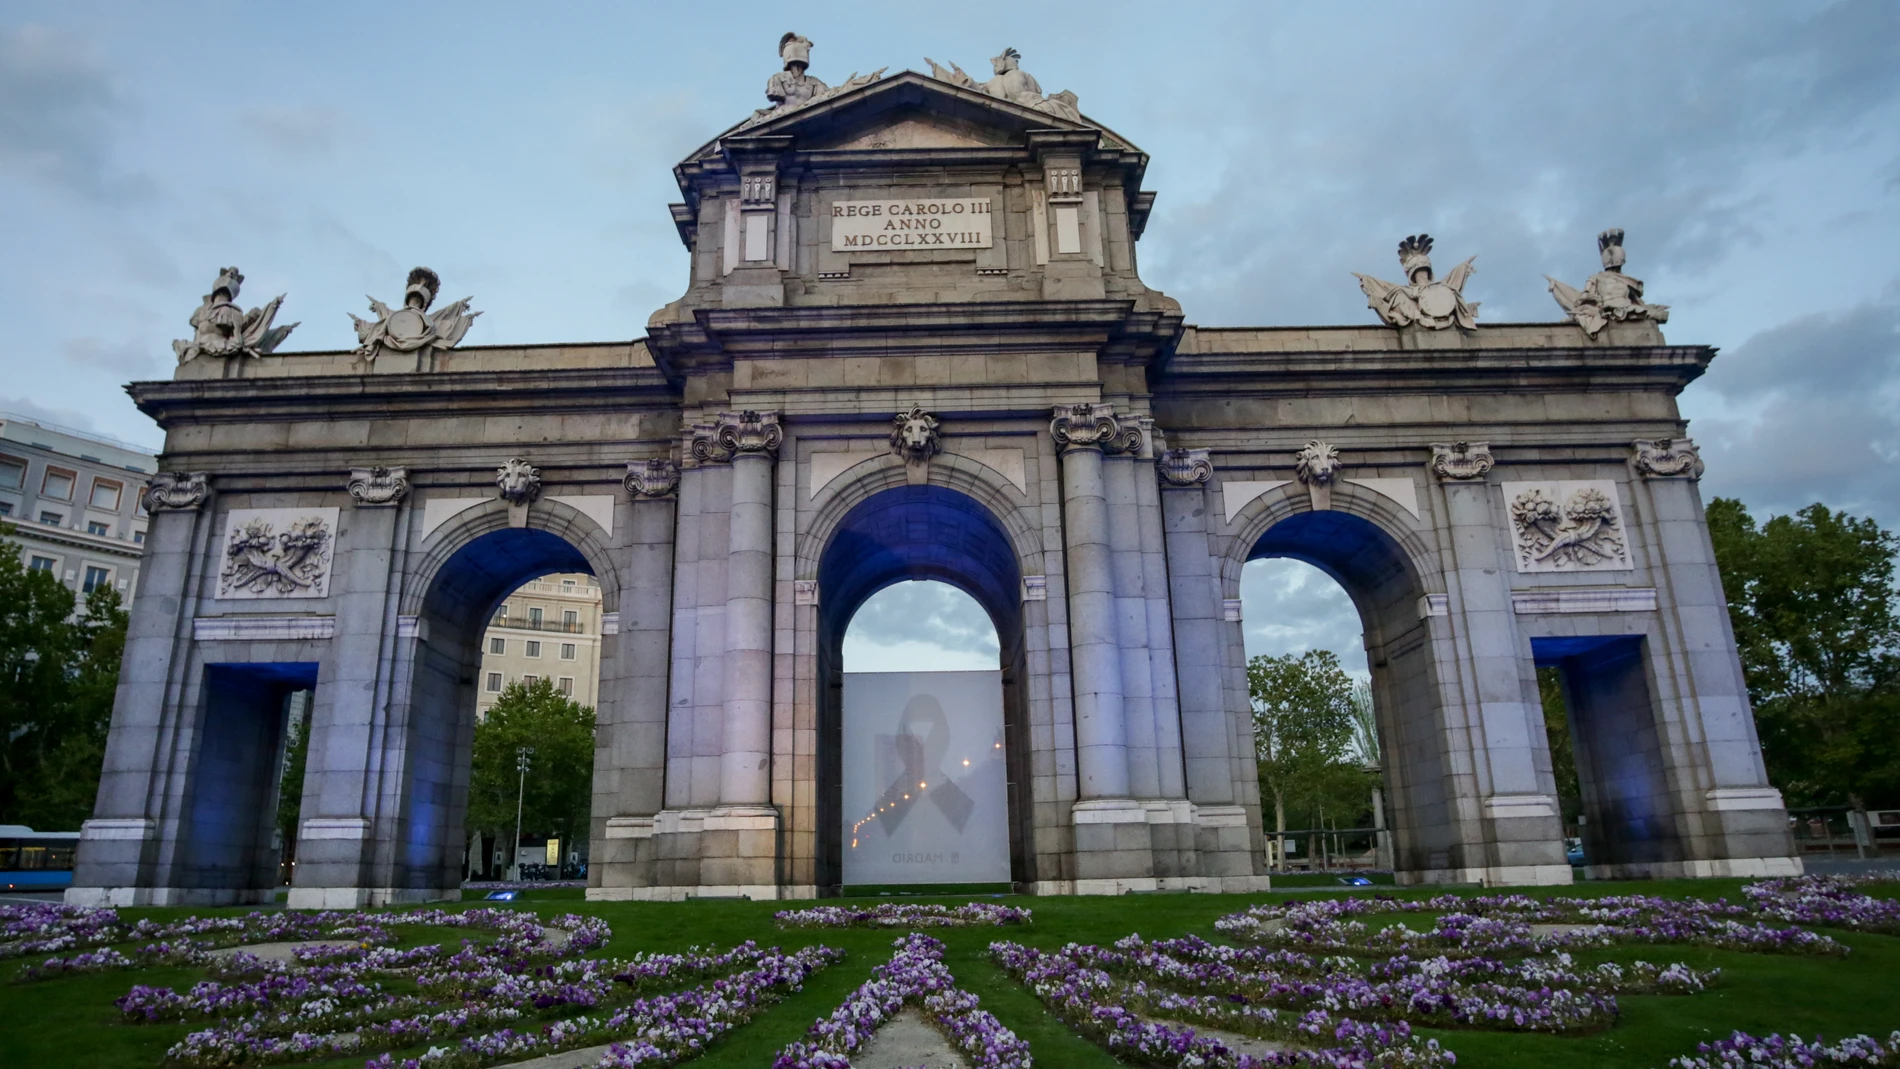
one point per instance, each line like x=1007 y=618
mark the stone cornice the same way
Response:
x=422 y=395
x=1476 y=370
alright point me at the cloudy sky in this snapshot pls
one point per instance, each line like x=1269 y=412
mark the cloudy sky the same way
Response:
x=1750 y=149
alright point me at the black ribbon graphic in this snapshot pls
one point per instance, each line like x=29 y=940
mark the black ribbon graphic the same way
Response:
x=923 y=775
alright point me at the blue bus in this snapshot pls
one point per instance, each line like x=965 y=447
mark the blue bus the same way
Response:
x=36 y=860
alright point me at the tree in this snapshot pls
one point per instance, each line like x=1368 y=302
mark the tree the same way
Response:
x=1811 y=600
x=559 y=789
x=59 y=668
x=1303 y=728
x=1563 y=753
x=290 y=786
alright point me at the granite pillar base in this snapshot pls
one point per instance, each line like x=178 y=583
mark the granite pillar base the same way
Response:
x=727 y=852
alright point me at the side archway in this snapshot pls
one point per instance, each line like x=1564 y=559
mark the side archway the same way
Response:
x=1379 y=562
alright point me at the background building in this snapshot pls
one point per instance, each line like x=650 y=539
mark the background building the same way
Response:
x=549 y=628
x=74 y=501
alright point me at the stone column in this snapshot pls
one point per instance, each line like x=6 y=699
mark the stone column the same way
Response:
x=740 y=842
x=135 y=819
x=630 y=753
x=1083 y=433
x=1113 y=848
x=1223 y=841
x=1516 y=835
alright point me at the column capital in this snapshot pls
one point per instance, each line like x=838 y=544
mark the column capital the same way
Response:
x=737 y=434
x=1461 y=461
x=177 y=491
x=378 y=487
x=1092 y=426
x=658 y=477
x=1666 y=458
x=1184 y=469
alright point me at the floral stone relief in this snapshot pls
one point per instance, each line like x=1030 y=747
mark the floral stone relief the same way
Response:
x=1567 y=526
x=277 y=553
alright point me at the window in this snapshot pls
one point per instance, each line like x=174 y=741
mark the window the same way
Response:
x=498 y=645
x=571 y=621
x=534 y=617
x=567 y=651
x=529 y=681
x=57 y=484
x=95 y=527
x=501 y=614
x=43 y=564
x=97 y=577
x=6 y=508
x=567 y=684
x=138 y=537
x=567 y=586
x=494 y=682
x=534 y=648
x=105 y=494
x=12 y=473
x=52 y=519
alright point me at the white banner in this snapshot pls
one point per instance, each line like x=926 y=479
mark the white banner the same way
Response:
x=962 y=223
x=925 y=791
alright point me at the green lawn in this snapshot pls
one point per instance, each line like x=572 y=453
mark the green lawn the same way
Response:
x=71 y=1021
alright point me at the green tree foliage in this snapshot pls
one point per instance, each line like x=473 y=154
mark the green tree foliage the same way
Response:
x=59 y=667
x=1563 y=753
x=290 y=787
x=1304 y=726
x=1811 y=599
x=560 y=783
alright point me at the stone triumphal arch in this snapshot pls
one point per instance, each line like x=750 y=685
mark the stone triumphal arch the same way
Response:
x=915 y=345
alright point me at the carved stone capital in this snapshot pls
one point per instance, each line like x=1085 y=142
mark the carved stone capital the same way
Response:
x=1184 y=467
x=737 y=433
x=378 y=487
x=1461 y=461
x=914 y=435
x=1667 y=458
x=1092 y=426
x=518 y=481
x=177 y=491
x=657 y=477
x=1316 y=464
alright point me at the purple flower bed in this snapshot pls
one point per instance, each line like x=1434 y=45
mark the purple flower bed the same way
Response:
x=915 y=973
x=894 y=915
x=1117 y=1015
x=1828 y=901
x=1790 y=1052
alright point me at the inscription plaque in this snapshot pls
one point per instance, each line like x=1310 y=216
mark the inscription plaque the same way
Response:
x=962 y=223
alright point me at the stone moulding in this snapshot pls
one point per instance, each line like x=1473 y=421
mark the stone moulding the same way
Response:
x=121 y=828
x=518 y=482
x=1727 y=799
x=1666 y=458
x=1514 y=806
x=1434 y=605
x=334 y=828
x=1572 y=600
x=262 y=628
x=1035 y=588
x=176 y=491
x=1185 y=467
x=1461 y=461
x=378 y=487
x=1092 y=426
x=610 y=623
x=657 y=477
x=736 y=434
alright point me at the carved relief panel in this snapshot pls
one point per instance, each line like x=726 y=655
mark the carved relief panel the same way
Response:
x=277 y=553
x=1574 y=525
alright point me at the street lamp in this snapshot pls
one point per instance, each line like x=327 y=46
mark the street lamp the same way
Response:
x=522 y=754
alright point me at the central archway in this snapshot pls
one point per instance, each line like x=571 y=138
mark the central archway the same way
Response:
x=910 y=533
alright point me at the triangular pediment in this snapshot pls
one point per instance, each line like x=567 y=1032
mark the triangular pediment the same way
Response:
x=907 y=110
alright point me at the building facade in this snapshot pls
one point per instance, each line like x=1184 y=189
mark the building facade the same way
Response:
x=914 y=344
x=74 y=502
x=549 y=628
